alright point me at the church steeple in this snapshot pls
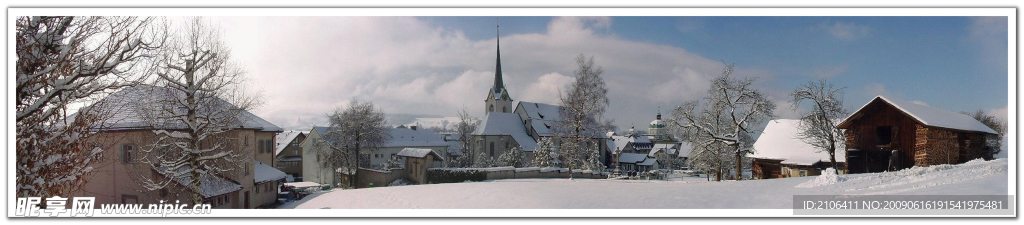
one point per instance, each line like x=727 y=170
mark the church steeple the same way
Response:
x=498 y=99
x=499 y=85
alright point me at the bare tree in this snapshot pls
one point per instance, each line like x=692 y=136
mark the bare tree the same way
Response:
x=62 y=61
x=582 y=105
x=354 y=133
x=818 y=127
x=730 y=111
x=465 y=129
x=197 y=97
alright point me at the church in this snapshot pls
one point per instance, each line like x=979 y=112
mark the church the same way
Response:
x=509 y=125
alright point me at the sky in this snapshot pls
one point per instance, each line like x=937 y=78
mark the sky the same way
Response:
x=305 y=67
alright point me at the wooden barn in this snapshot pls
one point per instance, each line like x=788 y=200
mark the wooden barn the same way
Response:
x=886 y=134
x=779 y=153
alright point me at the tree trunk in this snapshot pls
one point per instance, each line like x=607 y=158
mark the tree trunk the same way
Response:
x=739 y=164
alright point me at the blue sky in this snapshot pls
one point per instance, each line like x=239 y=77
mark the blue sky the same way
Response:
x=936 y=60
x=438 y=65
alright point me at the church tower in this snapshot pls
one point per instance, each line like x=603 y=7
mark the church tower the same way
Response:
x=498 y=99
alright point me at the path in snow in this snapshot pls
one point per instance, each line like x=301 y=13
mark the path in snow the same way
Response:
x=977 y=177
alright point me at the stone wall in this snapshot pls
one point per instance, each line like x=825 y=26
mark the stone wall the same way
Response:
x=379 y=178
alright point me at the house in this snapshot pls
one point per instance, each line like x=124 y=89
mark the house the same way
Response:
x=912 y=135
x=632 y=153
x=780 y=153
x=417 y=161
x=126 y=133
x=311 y=169
x=401 y=138
x=407 y=137
x=288 y=153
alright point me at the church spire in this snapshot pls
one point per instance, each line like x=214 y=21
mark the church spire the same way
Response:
x=499 y=86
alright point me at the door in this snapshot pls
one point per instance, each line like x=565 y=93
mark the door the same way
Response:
x=246 y=200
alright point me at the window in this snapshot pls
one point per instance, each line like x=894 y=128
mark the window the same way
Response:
x=247 y=168
x=492 y=109
x=492 y=148
x=884 y=135
x=257 y=189
x=803 y=173
x=503 y=109
x=260 y=149
x=127 y=153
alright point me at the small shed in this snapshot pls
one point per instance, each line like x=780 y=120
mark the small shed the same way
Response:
x=417 y=161
x=887 y=134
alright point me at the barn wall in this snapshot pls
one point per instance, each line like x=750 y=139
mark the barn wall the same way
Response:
x=862 y=135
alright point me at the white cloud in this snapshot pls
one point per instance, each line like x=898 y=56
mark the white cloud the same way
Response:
x=919 y=102
x=308 y=66
x=1001 y=113
x=846 y=31
x=546 y=89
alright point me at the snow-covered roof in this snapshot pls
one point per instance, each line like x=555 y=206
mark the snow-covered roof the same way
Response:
x=632 y=158
x=638 y=142
x=647 y=162
x=418 y=153
x=130 y=107
x=779 y=141
x=684 y=150
x=542 y=116
x=926 y=115
x=211 y=185
x=497 y=123
x=405 y=137
x=283 y=139
x=266 y=173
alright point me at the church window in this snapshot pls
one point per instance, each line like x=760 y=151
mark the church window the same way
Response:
x=492 y=148
x=492 y=108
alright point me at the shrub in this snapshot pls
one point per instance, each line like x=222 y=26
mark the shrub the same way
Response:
x=444 y=175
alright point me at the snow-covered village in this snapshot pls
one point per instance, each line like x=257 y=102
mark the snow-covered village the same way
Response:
x=508 y=112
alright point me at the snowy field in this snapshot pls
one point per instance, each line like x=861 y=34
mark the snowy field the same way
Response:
x=976 y=177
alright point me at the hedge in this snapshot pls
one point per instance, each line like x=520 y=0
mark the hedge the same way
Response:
x=437 y=176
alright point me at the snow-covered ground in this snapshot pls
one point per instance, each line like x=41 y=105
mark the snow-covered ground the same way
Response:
x=976 y=177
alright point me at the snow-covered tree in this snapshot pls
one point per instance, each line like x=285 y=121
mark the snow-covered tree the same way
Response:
x=482 y=161
x=818 y=127
x=513 y=157
x=464 y=130
x=197 y=96
x=726 y=119
x=62 y=61
x=582 y=105
x=354 y=133
x=594 y=161
x=544 y=155
x=395 y=162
